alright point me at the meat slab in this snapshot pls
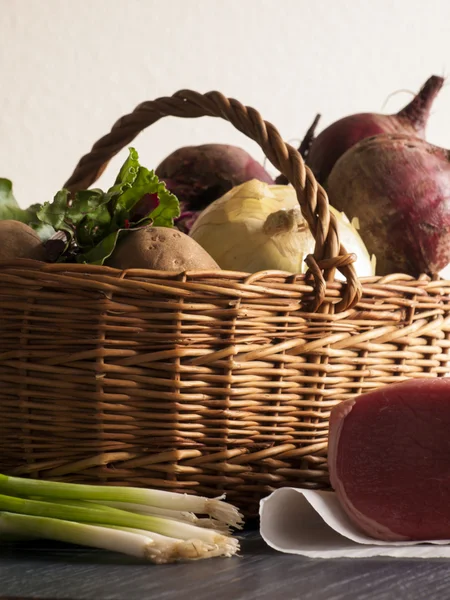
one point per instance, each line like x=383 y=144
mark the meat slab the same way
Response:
x=389 y=460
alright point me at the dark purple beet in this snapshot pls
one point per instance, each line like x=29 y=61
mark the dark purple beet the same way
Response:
x=303 y=149
x=198 y=175
x=336 y=139
x=398 y=186
x=144 y=207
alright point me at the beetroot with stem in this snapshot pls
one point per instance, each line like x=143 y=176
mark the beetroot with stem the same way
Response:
x=398 y=186
x=304 y=147
x=336 y=139
x=198 y=175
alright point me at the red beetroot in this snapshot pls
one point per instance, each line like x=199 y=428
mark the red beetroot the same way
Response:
x=336 y=139
x=303 y=148
x=146 y=205
x=399 y=189
x=389 y=460
x=198 y=175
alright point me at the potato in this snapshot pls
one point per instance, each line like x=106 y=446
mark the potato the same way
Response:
x=17 y=240
x=160 y=249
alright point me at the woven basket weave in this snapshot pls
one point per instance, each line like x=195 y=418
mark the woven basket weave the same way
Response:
x=204 y=382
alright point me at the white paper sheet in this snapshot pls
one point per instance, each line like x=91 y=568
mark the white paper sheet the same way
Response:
x=313 y=524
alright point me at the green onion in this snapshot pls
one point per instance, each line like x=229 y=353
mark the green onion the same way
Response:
x=121 y=519
x=105 y=515
x=215 y=508
x=193 y=549
x=142 y=509
x=152 y=547
x=176 y=515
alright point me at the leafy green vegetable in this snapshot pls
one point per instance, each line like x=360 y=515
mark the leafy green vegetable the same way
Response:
x=102 y=250
x=54 y=213
x=10 y=210
x=93 y=220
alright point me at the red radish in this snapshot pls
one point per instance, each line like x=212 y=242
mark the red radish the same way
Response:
x=198 y=175
x=399 y=189
x=389 y=460
x=336 y=139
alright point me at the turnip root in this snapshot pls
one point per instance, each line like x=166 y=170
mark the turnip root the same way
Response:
x=18 y=240
x=336 y=139
x=399 y=189
x=198 y=175
x=258 y=227
x=160 y=249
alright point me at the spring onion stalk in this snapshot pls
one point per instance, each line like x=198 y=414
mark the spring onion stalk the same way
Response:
x=213 y=524
x=193 y=549
x=105 y=515
x=152 y=547
x=154 y=511
x=175 y=515
x=126 y=522
x=215 y=508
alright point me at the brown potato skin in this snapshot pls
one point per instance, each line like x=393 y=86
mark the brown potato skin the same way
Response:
x=18 y=240
x=160 y=249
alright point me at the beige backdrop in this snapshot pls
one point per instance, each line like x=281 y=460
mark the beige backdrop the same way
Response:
x=70 y=68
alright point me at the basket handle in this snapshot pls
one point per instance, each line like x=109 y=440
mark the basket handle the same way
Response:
x=329 y=254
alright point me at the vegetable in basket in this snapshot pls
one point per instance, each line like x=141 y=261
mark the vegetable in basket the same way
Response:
x=256 y=226
x=18 y=240
x=304 y=147
x=154 y=525
x=161 y=249
x=92 y=222
x=11 y=211
x=398 y=187
x=198 y=175
x=326 y=149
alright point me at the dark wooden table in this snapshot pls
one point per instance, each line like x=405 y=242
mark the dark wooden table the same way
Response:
x=54 y=571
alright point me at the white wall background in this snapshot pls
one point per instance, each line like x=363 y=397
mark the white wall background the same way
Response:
x=70 y=68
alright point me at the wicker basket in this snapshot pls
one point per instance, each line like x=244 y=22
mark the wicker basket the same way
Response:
x=204 y=382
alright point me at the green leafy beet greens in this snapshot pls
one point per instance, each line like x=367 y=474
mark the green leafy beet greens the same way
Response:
x=93 y=220
x=10 y=210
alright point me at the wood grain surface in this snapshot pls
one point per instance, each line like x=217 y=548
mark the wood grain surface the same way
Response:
x=58 y=572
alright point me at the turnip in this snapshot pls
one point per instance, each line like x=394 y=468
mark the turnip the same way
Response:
x=258 y=227
x=398 y=187
x=336 y=139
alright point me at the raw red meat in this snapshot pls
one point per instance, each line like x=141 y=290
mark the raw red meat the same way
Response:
x=389 y=460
